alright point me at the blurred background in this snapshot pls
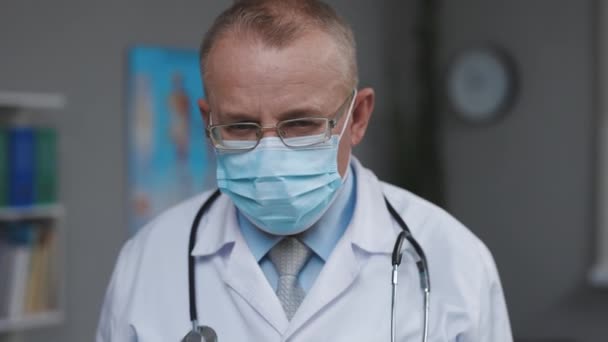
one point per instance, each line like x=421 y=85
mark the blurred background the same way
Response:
x=527 y=180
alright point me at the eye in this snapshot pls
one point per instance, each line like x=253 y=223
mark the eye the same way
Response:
x=241 y=127
x=304 y=123
x=303 y=127
x=245 y=130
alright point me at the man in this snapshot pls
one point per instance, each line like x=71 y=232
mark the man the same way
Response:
x=298 y=245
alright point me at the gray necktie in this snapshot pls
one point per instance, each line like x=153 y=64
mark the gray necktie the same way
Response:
x=288 y=257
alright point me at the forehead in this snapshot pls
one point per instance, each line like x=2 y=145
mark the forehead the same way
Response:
x=246 y=71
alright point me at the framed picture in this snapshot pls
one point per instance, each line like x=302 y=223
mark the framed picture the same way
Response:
x=168 y=156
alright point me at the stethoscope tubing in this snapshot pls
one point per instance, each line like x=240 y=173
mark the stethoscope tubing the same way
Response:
x=423 y=271
x=191 y=260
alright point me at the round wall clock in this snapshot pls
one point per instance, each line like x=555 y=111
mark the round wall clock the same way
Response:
x=481 y=84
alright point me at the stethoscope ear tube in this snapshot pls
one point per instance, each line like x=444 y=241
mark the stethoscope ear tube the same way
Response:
x=423 y=270
x=397 y=255
x=191 y=242
x=422 y=263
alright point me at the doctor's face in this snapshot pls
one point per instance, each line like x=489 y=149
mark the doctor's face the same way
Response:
x=248 y=81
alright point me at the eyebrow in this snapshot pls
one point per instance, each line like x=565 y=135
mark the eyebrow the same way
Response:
x=299 y=113
x=235 y=117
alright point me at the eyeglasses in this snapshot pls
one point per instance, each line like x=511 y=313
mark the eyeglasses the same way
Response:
x=301 y=132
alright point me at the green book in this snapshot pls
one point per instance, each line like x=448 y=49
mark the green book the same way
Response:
x=45 y=174
x=3 y=167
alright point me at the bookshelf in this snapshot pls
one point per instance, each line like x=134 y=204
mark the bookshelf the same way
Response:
x=31 y=101
x=38 y=320
x=35 y=212
x=32 y=230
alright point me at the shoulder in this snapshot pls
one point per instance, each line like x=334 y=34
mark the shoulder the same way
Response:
x=464 y=278
x=170 y=229
x=163 y=241
x=461 y=266
x=428 y=218
x=439 y=233
x=158 y=242
x=455 y=255
x=438 y=230
x=157 y=248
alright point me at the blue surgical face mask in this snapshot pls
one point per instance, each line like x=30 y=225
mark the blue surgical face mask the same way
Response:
x=282 y=190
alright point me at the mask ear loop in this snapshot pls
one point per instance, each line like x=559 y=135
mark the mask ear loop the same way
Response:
x=350 y=110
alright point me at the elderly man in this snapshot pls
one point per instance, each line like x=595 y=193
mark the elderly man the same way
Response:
x=297 y=243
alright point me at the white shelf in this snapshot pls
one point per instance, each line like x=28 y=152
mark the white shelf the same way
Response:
x=24 y=100
x=38 y=320
x=31 y=108
x=35 y=212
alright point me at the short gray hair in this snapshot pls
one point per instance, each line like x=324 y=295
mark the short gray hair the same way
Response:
x=277 y=23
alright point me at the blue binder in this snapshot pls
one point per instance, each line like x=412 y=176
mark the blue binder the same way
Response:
x=21 y=166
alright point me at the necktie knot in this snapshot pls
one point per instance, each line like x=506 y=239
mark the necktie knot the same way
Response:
x=289 y=256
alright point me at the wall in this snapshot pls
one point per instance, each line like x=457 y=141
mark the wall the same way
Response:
x=78 y=48
x=525 y=185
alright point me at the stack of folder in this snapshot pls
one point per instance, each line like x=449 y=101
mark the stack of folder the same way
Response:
x=29 y=277
x=28 y=166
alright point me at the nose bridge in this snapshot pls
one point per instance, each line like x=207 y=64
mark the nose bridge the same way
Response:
x=272 y=129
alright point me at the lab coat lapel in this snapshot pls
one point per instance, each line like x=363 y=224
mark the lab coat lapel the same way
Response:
x=338 y=274
x=371 y=231
x=243 y=274
x=219 y=233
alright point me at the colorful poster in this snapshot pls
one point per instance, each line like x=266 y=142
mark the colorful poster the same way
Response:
x=169 y=159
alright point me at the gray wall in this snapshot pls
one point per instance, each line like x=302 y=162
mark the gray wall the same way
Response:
x=78 y=48
x=525 y=185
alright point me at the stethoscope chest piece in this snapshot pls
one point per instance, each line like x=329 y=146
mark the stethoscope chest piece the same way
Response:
x=208 y=333
x=193 y=336
x=204 y=334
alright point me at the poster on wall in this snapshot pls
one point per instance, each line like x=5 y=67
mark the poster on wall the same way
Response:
x=168 y=156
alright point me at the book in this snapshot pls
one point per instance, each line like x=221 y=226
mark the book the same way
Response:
x=6 y=263
x=21 y=166
x=45 y=151
x=3 y=167
x=21 y=236
x=51 y=274
x=37 y=297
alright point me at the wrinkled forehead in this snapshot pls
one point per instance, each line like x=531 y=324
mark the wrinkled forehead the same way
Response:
x=243 y=68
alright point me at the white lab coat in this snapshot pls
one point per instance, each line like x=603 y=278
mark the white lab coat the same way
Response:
x=147 y=299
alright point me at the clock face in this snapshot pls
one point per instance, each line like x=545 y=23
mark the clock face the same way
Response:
x=480 y=84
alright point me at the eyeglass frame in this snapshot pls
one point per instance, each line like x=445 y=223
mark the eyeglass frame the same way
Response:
x=331 y=124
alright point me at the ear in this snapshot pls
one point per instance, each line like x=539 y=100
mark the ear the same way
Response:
x=203 y=106
x=362 y=111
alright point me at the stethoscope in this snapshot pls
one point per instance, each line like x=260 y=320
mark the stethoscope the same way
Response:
x=205 y=333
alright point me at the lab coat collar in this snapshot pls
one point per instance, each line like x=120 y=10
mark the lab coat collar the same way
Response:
x=213 y=237
x=372 y=229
